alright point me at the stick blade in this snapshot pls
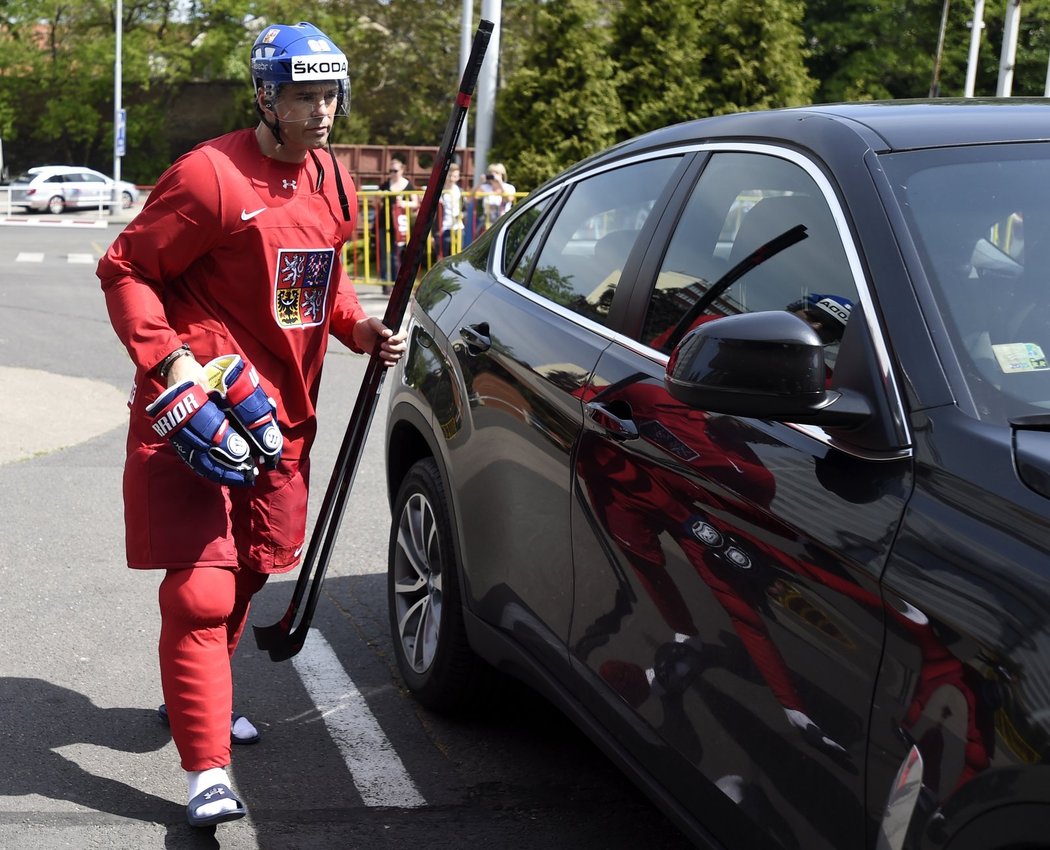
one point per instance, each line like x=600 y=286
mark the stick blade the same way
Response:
x=286 y=648
x=267 y=637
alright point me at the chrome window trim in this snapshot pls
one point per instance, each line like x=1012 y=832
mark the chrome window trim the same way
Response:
x=845 y=237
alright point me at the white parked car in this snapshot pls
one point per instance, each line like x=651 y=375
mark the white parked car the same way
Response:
x=55 y=188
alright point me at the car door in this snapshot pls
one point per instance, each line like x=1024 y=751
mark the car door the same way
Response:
x=46 y=188
x=91 y=188
x=525 y=348
x=727 y=613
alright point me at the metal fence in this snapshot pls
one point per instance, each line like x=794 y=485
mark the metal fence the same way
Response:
x=386 y=219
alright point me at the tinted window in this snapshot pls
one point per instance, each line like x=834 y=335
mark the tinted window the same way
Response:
x=981 y=218
x=756 y=234
x=518 y=231
x=585 y=249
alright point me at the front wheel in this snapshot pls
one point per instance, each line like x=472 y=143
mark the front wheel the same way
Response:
x=423 y=593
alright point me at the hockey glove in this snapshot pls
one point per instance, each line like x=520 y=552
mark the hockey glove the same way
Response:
x=202 y=435
x=235 y=387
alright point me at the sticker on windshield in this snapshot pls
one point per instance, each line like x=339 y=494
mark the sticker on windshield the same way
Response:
x=1020 y=357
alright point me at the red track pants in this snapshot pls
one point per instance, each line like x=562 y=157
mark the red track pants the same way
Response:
x=203 y=611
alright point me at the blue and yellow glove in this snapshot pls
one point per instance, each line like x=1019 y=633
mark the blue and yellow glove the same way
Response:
x=202 y=435
x=234 y=386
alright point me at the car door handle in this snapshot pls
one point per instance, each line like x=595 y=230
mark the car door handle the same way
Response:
x=614 y=426
x=476 y=337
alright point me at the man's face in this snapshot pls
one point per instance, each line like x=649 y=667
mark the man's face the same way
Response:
x=306 y=112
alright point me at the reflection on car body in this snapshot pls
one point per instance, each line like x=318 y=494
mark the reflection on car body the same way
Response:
x=734 y=441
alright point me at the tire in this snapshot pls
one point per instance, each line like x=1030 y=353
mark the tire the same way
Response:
x=424 y=599
x=125 y=200
x=56 y=205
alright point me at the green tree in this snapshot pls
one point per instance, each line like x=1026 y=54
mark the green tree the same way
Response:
x=755 y=54
x=660 y=48
x=1033 y=48
x=561 y=103
x=678 y=62
x=57 y=81
x=863 y=50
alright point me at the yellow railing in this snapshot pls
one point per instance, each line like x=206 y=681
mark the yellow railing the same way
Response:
x=370 y=258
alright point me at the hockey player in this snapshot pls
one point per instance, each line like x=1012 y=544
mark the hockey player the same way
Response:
x=224 y=290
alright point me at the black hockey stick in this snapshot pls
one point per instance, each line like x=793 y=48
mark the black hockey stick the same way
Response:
x=281 y=640
x=762 y=253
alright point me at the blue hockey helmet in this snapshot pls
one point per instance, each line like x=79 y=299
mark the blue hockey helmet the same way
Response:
x=830 y=312
x=297 y=53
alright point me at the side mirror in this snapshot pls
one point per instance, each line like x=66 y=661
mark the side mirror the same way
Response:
x=760 y=365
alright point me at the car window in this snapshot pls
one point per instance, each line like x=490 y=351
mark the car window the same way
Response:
x=756 y=234
x=981 y=221
x=87 y=177
x=518 y=262
x=584 y=251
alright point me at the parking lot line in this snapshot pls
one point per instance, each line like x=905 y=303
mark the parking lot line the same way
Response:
x=377 y=771
x=15 y=221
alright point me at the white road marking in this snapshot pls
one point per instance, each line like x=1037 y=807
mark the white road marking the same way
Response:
x=35 y=257
x=379 y=775
x=37 y=221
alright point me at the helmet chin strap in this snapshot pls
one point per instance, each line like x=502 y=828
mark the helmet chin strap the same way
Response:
x=274 y=128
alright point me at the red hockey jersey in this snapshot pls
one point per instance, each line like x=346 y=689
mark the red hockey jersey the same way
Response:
x=235 y=252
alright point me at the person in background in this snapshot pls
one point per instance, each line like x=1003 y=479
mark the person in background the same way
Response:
x=393 y=209
x=495 y=193
x=224 y=290
x=450 y=214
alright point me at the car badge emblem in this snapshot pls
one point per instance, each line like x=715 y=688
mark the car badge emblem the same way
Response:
x=706 y=533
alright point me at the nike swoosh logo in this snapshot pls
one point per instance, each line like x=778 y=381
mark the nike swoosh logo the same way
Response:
x=245 y=215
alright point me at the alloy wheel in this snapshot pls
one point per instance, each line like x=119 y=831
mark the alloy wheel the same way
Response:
x=417 y=584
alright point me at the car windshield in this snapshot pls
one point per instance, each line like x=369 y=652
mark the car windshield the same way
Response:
x=981 y=218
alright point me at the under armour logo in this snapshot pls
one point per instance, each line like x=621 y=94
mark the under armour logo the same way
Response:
x=287 y=184
x=213 y=792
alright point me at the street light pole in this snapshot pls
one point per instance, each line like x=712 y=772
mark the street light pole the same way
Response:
x=935 y=83
x=975 y=47
x=484 y=117
x=1008 y=56
x=118 y=122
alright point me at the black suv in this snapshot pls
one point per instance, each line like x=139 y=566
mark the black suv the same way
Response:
x=734 y=441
